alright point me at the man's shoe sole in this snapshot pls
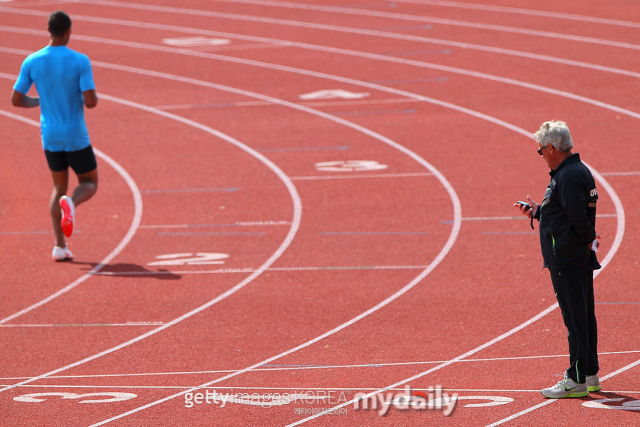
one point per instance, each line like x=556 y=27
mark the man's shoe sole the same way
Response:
x=596 y=388
x=579 y=394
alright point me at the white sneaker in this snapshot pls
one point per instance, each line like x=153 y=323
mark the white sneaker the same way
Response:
x=68 y=215
x=593 y=383
x=61 y=254
x=566 y=388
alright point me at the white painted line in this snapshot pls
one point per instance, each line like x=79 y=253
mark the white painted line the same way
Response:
x=620 y=173
x=550 y=401
x=442 y=254
x=426 y=99
x=356 y=12
x=521 y=217
x=51 y=325
x=306 y=104
x=421 y=64
x=251 y=270
x=612 y=251
x=437 y=102
x=356 y=176
x=520 y=11
x=137 y=216
x=341 y=29
x=317 y=367
x=297 y=212
x=235 y=224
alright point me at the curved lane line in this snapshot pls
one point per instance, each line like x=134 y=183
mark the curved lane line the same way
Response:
x=618 y=239
x=612 y=251
x=135 y=223
x=619 y=235
x=451 y=240
x=406 y=17
x=420 y=64
x=349 y=30
x=495 y=340
x=285 y=244
x=521 y=11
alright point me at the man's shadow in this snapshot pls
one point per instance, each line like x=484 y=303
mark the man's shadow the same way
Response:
x=617 y=401
x=133 y=271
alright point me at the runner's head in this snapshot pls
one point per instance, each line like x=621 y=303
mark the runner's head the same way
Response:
x=60 y=25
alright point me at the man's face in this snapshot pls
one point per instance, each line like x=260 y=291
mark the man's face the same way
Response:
x=545 y=153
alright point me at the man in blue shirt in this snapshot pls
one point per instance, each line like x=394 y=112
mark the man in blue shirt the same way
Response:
x=64 y=81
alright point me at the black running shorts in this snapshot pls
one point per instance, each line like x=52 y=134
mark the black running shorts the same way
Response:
x=81 y=161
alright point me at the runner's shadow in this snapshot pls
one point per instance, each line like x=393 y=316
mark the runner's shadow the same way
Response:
x=132 y=271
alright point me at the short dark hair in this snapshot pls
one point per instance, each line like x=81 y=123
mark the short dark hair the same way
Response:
x=59 y=23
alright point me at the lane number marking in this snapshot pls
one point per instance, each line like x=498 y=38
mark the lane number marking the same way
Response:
x=333 y=94
x=41 y=397
x=195 y=41
x=350 y=166
x=199 y=258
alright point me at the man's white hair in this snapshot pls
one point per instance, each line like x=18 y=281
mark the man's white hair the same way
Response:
x=556 y=133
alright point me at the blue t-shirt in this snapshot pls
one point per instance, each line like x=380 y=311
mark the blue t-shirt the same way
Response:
x=60 y=75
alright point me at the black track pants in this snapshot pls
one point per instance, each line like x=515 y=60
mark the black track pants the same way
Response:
x=574 y=291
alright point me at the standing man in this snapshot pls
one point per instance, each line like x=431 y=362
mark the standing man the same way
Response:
x=567 y=218
x=64 y=81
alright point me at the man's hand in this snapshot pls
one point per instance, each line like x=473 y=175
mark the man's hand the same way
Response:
x=595 y=245
x=528 y=210
x=24 y=101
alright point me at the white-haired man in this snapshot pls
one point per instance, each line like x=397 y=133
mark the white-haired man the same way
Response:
x=568 y=241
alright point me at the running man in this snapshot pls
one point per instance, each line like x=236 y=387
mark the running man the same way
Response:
x=64 y=81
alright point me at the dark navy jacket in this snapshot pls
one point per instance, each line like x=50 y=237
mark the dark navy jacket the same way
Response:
x=567 y=217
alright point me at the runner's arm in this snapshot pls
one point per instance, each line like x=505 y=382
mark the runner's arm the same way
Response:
x=24 y=101
x=90 y=98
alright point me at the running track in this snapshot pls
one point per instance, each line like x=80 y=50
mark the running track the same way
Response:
x=254 y=233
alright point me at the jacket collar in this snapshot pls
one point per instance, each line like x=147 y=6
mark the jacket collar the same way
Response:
x=575 y=157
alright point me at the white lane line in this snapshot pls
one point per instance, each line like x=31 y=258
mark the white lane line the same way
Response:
x=135 y=223
x=550 y=401
x=452 y=106
x=612 y=251
x=358 y=176
x=297 y=213
x=437 y=102
x=473 y=113
x=441 y=255
x=306 y=104
x=448 y=105
x=69 y=325
x=429 y=19
x=398 y=36
x=383 y=34
x=420 y=64
x=251 y=270
x=277 y=368
x=235 y=224
x=520 y=11
x=620 y=173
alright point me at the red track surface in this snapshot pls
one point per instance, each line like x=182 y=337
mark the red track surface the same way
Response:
x=336 y=282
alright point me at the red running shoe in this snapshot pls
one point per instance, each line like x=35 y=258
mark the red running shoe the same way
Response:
x=68 y=215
